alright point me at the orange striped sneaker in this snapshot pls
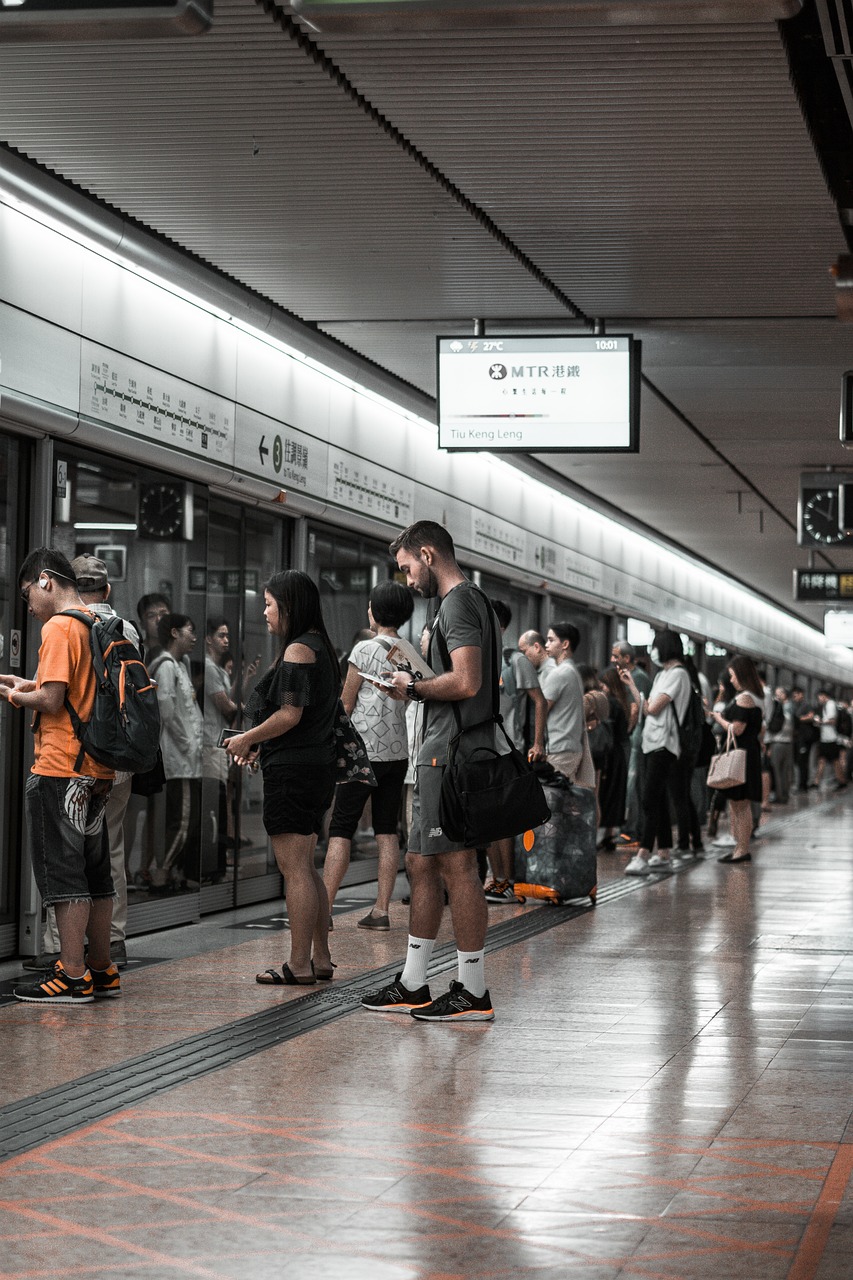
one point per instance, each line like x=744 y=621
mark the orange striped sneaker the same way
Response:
x=106 y=982
x=56 y=987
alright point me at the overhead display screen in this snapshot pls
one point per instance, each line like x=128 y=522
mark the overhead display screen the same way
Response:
x=539 y=394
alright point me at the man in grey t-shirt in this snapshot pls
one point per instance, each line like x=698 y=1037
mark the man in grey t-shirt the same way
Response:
x=464 y=651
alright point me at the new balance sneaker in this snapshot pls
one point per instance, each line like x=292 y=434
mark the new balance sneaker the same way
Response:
x=457 y=1005
x=395 y=998
x=56 y=987
x=500 y=891
x=637 y=866
x=106 y=982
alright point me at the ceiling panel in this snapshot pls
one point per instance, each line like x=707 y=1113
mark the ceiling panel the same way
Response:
x=660 y=178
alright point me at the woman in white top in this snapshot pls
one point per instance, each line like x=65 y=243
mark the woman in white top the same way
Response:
x=665 y=706
x=380 y=718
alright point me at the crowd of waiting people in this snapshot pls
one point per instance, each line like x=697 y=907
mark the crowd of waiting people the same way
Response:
x=651 y=785
x=638 y=733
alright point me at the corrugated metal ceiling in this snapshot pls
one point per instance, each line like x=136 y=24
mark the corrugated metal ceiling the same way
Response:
x=660 y=177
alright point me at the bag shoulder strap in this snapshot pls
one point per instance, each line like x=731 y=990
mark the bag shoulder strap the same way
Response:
x=444 y=652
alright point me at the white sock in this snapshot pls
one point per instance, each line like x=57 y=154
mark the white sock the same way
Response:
x=471 y=971
x=418 y=956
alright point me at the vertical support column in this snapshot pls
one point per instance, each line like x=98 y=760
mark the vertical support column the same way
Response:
x=41 y=511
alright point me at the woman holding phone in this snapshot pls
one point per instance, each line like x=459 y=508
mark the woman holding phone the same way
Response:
x=379 y=715
x=293 y=711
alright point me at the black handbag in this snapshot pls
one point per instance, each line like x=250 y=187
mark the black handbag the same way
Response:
x=488 y=796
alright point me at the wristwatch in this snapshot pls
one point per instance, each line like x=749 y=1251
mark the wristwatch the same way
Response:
x=412 y=689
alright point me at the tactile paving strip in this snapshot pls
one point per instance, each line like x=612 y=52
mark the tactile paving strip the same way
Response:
x=46 y=1116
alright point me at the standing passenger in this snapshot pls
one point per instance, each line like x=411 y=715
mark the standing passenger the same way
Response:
x=563 y=689
x=744 y=715
x=666 y=705
x=181 y=742
x=66 y=795
x=380 y=718
x=294 y=710
x=465 y=651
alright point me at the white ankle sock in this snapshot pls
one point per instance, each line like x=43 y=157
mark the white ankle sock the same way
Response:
x=471 y=971
x=418 y=956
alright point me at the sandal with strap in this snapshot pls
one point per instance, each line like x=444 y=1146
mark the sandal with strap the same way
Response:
x=324 y=975
x=287 y=978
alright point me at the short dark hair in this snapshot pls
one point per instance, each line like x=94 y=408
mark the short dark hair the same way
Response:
x=391 y=604
x=46 y=560
x=567 y=631
x=144 y=603
x=503 y=613
x=171 y=622
x=424 y=533
x=213 y=625
x=669 y=646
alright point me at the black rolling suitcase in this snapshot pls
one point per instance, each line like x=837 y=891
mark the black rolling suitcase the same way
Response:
x=557 y=861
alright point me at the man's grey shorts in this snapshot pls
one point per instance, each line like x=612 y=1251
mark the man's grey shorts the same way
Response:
x=425 y=833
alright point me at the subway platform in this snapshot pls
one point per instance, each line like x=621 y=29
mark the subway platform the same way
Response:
x=666 y=1092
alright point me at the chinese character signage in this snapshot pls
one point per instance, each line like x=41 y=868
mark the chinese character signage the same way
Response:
x=823 y=584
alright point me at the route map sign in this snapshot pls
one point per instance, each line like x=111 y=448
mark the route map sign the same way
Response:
x=558 y=394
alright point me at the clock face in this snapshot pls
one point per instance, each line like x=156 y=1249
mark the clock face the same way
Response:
x=821 y=516
x=161 y=510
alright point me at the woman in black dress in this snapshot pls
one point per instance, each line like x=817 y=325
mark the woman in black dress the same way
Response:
x=294 y=710
x=744 y=715
x=614 y=778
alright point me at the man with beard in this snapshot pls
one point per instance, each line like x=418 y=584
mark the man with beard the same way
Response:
x=464 y=651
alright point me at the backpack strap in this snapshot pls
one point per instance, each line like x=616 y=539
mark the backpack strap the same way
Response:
x=88 y=620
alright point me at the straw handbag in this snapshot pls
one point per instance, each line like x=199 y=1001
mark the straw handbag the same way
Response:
x=728 y=769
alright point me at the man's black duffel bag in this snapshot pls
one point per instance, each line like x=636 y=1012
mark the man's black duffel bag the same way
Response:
x=489 y=796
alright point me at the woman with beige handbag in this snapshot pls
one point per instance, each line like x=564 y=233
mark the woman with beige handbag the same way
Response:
x=742 y=719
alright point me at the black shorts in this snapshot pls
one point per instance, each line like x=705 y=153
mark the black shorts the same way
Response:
x=385 y=797
x=296 y=797
x=829 y=750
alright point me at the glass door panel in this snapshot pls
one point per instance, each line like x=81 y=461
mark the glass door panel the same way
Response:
x=265 y=555
x=11 y=623
x=151 y=531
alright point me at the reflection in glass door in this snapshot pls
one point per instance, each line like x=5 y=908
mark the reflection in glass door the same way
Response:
x=264 y=556
x=10 y=652
x=245 y=548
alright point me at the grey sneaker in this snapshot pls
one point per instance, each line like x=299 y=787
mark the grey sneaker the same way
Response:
x=118 y=954
x=45 y=961
x=371 y=921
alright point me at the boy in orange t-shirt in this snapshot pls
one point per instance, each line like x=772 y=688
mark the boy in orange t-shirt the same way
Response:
x=65 y=803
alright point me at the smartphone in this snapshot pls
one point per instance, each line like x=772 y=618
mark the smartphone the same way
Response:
x=226 y=734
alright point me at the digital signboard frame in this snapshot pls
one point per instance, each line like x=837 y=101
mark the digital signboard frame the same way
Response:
x=538 y=393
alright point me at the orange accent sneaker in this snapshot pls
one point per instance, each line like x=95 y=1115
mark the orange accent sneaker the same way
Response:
x=106 y=982
x=56 y=987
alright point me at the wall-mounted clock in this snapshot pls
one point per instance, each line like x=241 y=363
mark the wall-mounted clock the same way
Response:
x=163 y=510
x=822 y=516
